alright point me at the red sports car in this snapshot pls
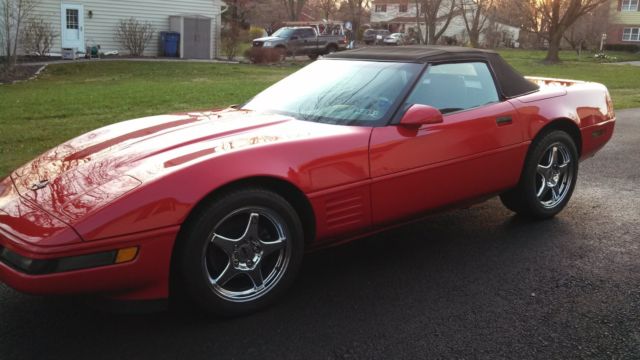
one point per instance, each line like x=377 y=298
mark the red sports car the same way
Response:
x=221 y=205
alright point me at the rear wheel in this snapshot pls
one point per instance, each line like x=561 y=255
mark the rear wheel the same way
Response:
x=240 y=252
x=548 y=178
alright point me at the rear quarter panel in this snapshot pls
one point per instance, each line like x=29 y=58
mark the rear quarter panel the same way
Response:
x=587 y=105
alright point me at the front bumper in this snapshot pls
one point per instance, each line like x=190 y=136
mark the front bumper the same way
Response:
x=145 y=277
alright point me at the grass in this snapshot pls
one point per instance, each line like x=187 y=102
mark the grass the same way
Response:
x=70 y=99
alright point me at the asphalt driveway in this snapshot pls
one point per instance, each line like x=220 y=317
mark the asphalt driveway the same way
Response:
x=474 y=283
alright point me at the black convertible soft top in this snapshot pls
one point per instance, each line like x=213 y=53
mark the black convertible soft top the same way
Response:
x=510 y=82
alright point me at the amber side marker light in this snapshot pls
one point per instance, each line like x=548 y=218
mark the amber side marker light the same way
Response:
x=51 y=266
x=126 y=255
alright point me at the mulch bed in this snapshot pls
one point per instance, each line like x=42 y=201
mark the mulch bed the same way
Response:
x=20 y=73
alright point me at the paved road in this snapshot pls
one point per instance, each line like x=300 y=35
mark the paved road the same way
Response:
x=475 y=283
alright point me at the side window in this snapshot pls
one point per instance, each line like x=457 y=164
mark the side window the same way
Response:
x=455 y=87
x=307 y=33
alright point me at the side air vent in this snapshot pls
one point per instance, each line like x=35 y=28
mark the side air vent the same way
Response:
x=345 y=210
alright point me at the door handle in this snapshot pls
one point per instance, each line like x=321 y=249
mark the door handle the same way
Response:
x=504 y=120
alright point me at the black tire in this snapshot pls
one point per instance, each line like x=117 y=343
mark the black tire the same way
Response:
x=331 y=48
x=545 y=188
x=220 y=253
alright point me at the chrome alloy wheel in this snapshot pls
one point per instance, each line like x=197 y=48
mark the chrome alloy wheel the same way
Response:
x=554 y=175
x=247 y=254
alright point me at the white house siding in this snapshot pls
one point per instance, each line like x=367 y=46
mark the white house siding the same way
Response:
x=455 y=29
x=99 y=29
x=393 y=11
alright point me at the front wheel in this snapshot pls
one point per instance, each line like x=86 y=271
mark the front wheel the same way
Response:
x=548 y=178
x=240 y=252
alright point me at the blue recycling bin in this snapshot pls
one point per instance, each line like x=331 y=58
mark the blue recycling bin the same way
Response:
x=169 y=43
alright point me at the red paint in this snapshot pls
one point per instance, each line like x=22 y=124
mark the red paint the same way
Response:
x=418 y=115
x=134 y=183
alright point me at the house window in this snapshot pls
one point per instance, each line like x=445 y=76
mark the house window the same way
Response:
x=72 y=19
x=630 y=5
x=381 y=8
x=403 y=8
x=631 y=34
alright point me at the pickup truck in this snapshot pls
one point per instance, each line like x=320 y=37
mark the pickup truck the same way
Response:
x=302 y=41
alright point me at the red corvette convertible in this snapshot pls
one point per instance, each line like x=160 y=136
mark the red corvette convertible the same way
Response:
x=220 y=206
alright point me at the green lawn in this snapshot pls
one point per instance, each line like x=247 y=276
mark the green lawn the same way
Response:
x=67 y=100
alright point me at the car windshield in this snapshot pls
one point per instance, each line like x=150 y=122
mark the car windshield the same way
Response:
x=342 y=92
x=283 y=32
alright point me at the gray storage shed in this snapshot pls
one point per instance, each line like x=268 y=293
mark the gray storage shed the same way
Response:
x=196 y=35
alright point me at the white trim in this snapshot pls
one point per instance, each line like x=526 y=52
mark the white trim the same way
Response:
x=629 y=5
x=631 y=34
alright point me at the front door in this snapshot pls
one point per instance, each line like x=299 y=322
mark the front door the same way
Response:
x=72 y=31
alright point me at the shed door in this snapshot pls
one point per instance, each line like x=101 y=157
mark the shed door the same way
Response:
x=72 y=33
x=197 y=38
x=204 y=38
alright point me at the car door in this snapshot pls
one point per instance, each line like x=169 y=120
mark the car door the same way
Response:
x=476 y=150
x=295 y=45
x=308 y=37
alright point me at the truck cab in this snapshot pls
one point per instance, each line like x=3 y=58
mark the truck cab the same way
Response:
x=302 y=40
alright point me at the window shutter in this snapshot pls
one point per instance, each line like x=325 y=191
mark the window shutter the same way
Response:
x=619 y=5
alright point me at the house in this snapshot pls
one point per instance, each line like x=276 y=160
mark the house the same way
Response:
x=85 y=23
x=624 y=22
x=400 y=16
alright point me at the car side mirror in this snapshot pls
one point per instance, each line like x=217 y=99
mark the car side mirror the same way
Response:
x=418 y=115
x=293 y=38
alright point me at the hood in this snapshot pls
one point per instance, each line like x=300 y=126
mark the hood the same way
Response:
x=268 y=38
x=94 y=169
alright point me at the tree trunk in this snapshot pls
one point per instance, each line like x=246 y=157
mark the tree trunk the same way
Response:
x=553 y=54
x=431 y=33
x=474 y=39
x=419 y=39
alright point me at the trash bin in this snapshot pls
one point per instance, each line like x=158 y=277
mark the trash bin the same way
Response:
x=169 y=43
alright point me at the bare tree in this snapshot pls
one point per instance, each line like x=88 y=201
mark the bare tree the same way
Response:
x=435 y=12
x=356 y=10
x=326 y=7
x=552 y=18
x=475 y=14
x=134 y=35
x=587 y=31
x=239 y=12
x=13 y=14
x=37 y=37
x=294 y=8
x=419 y=39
